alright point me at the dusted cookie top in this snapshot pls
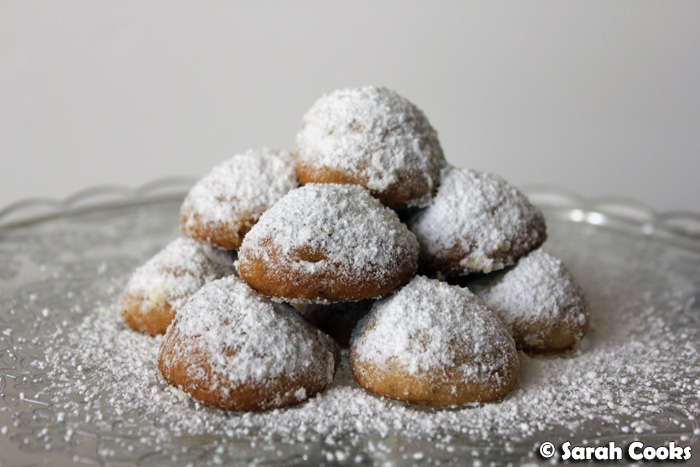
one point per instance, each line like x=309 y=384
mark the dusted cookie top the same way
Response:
x=540 y=302
x=477 y=223
x=160 y=287
x=232 y=348
x=372 y=137
x=328 y=243
x=222 y=207
x=434 y=344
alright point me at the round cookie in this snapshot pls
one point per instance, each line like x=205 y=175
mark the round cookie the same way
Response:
x=222 y=207
x=233 y=349
x=434 y=344
x=540 y=302
x=477 y=223
x=162 y=285
x=325 y=243
x=373 y=137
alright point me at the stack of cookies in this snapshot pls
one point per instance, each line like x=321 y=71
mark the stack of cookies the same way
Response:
x=355 y=241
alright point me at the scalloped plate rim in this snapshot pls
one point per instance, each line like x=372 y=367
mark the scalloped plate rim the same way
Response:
x=125 y=196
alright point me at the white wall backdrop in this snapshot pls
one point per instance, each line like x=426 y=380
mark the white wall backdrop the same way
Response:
x=600 y=97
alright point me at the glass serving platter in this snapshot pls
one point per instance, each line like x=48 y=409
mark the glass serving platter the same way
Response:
x=77 y=386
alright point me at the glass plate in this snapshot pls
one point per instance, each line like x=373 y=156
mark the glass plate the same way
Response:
x=68 y=366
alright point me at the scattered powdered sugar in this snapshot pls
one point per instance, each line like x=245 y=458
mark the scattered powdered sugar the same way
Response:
x=176 y=272
x=488 y=221
x=539 y=289
x=77 y=381
x=349 y=232
x=248 y=183
x=636 y=373
x=249 y=338
x=371 y=132
x=430 y=326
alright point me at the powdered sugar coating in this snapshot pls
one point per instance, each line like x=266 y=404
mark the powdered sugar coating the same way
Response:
x=175 y=273
x=431 y=327
x=536 y=296
x=477 y=223
x=331 y=234
x=247 y=340
x=374 y=134
x=236 y=192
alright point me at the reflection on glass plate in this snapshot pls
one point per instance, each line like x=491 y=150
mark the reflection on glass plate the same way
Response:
x=76 y=385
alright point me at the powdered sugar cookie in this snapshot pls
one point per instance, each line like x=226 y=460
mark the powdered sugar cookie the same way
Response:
x=477 y=223
x=160 y=287
x=231 y=348
x=326 y=243
x=540 y=302
x=372 y=137
x=434 y=344
x=222 y=207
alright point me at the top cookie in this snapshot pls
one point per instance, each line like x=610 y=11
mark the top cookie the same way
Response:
x=222 y=207
x=477 y=223
x=372 y=137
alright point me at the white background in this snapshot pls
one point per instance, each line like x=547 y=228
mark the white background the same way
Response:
x=600 y=97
